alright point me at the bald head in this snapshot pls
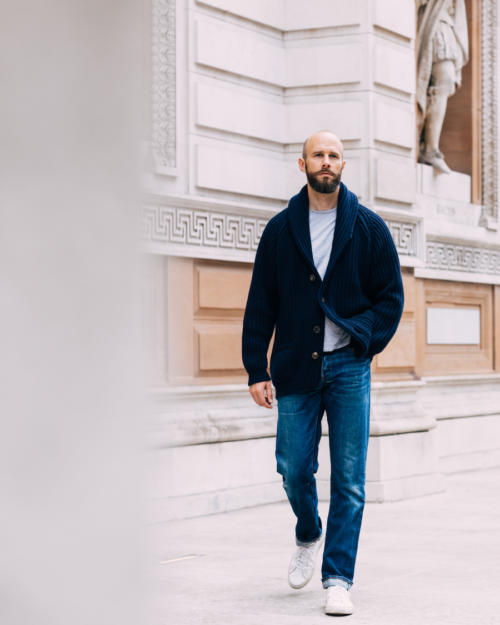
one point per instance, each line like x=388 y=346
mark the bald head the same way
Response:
x=319 y=138
x=322 y=161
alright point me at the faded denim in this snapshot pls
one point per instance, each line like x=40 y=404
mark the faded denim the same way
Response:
x=344 y=392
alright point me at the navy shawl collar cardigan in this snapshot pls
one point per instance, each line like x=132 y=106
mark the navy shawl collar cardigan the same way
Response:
x=361 y=292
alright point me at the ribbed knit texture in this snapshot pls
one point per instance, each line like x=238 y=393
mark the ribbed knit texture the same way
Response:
x=361 y=292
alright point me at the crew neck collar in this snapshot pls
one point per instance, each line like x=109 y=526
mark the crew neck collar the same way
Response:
x=329 y=210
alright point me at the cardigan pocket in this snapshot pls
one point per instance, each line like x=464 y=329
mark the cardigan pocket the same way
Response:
x=282 y=367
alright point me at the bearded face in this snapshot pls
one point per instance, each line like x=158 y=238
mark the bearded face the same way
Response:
x=323 y=181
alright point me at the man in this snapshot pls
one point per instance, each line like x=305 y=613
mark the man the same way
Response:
x=442 y=51
x=327 y=279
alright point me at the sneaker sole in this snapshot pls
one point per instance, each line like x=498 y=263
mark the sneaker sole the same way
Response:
x=339 y=611
x=301 y=585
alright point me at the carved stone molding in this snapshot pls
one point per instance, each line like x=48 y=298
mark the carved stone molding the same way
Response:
x=489 y=138
x=168 y=225
x=164 y=85
x=188 y=226
x=405 y=236
x=464 y=258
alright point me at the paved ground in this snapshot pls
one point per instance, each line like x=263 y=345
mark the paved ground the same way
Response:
x=432 y=560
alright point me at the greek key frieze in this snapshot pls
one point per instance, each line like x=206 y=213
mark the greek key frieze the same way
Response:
x=404 y=235
x=186 y=226
x=454 y=257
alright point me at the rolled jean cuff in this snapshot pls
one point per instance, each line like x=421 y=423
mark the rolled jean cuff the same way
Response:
x=337 y=581
x=301 y=543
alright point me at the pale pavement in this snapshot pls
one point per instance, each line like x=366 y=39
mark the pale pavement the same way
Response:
x=434 y=560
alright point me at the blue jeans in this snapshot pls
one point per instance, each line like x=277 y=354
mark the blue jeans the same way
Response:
x=344 y=392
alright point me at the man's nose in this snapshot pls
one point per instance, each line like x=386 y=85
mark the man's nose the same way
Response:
x=325 y=161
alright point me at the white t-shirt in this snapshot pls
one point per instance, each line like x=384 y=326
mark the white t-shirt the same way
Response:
x=322 y=229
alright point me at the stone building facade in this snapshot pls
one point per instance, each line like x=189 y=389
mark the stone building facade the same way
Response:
x=236 y=87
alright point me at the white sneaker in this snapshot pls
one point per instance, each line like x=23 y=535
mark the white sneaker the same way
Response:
x=301 y=567
x=338 y=601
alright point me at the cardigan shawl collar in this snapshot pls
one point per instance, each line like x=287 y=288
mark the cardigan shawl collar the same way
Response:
x=298 y=218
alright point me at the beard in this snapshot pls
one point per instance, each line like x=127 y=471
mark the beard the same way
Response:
x=326 y=185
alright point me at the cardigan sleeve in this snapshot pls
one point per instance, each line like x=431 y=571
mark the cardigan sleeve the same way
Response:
x=261 y=308
x=386 y=286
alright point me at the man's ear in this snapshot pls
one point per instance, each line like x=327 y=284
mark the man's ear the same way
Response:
x=302 y=164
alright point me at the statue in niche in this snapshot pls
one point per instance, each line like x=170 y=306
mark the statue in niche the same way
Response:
x=442 y=51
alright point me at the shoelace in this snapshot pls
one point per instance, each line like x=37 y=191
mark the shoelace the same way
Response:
x=304 y=557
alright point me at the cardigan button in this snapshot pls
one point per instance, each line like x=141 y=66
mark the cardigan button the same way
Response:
x=316 y=329
x=315 y=355
x=312 y=277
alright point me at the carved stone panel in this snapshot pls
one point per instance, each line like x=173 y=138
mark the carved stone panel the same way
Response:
x=489 y=114
x=459 y=257
x=405 y=237
x=201 y=228
x=164 y=85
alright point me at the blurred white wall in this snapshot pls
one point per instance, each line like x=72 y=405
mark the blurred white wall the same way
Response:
x=71 y=467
